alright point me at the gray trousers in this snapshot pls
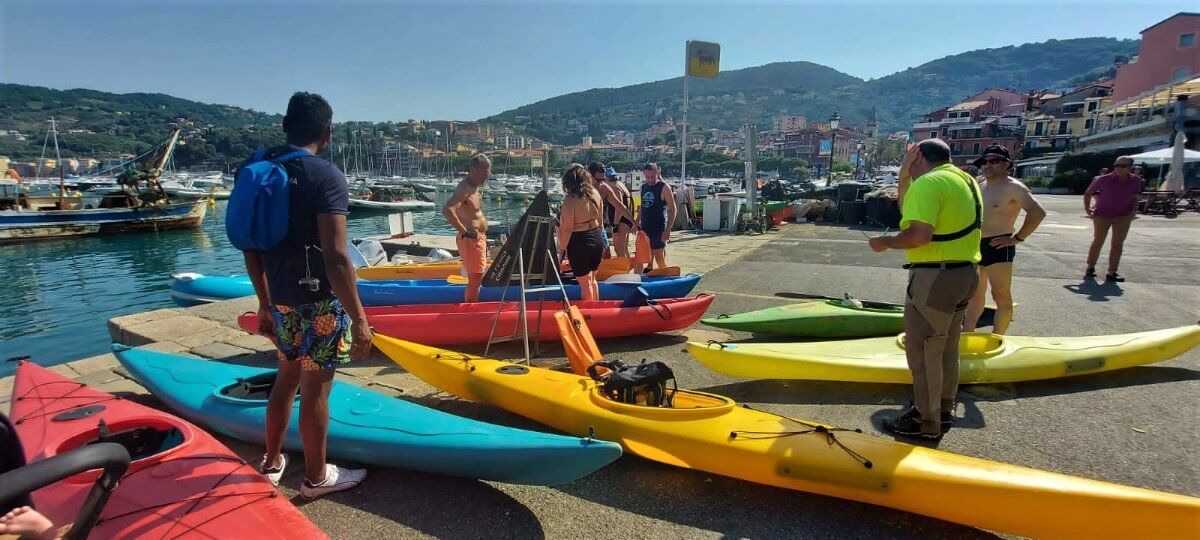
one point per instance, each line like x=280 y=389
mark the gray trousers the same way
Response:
x=935 y=304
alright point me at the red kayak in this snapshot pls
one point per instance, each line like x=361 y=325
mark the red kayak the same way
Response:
x=458 y=324
x=182 y=483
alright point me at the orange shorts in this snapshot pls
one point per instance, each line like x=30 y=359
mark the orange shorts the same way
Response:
x=473 y=252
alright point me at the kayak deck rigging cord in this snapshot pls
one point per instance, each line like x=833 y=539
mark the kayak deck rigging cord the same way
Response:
x=829 y=433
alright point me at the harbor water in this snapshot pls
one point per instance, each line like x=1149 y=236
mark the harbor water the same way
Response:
x=58 y=295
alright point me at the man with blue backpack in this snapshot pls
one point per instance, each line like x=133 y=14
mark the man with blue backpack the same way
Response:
x=287 y=213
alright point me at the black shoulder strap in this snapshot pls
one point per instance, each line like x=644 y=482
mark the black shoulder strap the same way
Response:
x=969 y=228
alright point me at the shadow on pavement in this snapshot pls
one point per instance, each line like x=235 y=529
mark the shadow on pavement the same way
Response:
x=439 y=506
x=1096 y=291
x=733 y=508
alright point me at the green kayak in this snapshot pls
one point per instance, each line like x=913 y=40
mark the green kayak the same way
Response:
x=825 y=318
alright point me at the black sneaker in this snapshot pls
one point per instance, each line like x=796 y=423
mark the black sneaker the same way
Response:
x=1114 y=277
x=947 y=416
x=908 y=424
x=1090 y=273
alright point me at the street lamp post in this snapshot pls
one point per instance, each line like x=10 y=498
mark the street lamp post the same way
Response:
x=858 y=157
x=833 y=125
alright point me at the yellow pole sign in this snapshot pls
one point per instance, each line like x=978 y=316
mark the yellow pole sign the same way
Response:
x=704 y=59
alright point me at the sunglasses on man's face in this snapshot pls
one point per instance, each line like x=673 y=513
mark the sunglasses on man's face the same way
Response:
x=993 y=161
x=1123 y=165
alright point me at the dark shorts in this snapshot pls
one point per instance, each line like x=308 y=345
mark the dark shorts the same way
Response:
x=317 y=334
x=993 y=255
x=655 y=232
x=585 y=249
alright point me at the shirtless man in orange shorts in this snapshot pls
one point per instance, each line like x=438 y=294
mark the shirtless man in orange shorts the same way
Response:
x=464 y=211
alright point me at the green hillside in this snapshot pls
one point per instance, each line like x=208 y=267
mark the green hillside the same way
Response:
x=129 y=123
x=763 y=93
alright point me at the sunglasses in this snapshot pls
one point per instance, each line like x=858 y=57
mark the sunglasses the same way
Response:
x=993 y=161
x=1123 y=165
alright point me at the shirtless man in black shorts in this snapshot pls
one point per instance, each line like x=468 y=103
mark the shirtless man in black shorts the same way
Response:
x=618 y=204
x=1003 y=199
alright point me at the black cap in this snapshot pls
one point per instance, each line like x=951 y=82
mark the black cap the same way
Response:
x=595 y=167
x=993 y=149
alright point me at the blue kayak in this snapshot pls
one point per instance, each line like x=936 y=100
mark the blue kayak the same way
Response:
x=366 y=426
x=191 y=289
x=439 y=291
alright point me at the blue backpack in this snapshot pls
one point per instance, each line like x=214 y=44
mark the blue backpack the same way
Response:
x=257 y=216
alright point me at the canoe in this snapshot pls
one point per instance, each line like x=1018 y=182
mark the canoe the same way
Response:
x=192 y=289
x=984 y=358
x=366 y=426
x=434 y=291
x=458 y=324
x=824 y=318
x=182 y=481
x=712 y=433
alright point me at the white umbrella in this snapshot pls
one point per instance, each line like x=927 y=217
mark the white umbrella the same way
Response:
x=1164 y=156
x=1174 y=181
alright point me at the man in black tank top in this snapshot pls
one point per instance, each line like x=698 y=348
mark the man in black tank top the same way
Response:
x=657 y=213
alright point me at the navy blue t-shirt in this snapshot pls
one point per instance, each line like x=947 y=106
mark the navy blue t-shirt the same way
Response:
x=317 y=187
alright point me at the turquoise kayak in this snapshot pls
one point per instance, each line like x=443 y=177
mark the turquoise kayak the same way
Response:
x=192 y=289
x=366 y=426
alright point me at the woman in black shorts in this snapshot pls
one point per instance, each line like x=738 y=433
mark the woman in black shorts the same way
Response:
x=579 y=228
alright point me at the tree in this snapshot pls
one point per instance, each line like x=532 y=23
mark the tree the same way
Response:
x=842 y=167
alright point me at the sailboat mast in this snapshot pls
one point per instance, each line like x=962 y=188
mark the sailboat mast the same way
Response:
x=158 y=167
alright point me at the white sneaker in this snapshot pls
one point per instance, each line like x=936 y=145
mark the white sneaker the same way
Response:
x=336 y=479
x=273 y=474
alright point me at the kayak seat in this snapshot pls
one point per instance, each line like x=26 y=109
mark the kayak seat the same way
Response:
x=144 y=442
x=577 y=339
x=140 y=440
x=256 y=387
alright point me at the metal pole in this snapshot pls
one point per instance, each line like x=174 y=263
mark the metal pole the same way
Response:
x=751 y=132
x=683 y=140
x=832 y=151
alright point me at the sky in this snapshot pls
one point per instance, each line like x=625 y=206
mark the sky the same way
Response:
x=382 y=61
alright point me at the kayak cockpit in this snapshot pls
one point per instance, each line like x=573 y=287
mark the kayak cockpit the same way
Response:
x=148 y=440
x=866 y=306
x=972 y=345
x=686 y=405
x=253 y=389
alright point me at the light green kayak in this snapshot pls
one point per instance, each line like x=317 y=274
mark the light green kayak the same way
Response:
x=824 y=318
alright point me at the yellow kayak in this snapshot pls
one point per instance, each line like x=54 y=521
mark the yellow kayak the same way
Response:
x=984 y=358
x=431 y=270
x=712 y=433
x=442 y=270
